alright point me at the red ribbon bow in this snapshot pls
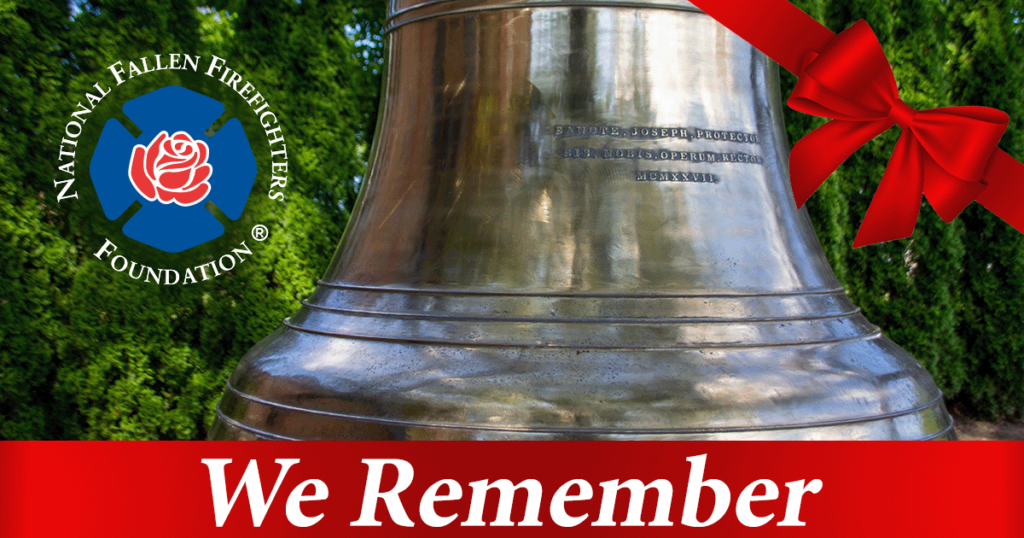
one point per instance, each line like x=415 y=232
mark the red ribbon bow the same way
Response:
x=948 y=155
x=942 y=153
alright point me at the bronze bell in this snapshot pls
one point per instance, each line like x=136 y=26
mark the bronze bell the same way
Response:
x=577 y=224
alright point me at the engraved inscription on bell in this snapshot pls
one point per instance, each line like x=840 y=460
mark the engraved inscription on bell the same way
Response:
x=656 y=154
x=572 y=134
x=681 y=177
x=568 y=131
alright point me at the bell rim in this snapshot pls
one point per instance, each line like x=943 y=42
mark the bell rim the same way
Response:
x=936 y=404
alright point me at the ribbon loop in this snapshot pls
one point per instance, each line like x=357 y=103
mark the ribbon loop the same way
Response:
x=961 y=139
x=853 y=66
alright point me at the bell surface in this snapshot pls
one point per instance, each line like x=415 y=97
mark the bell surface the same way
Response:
x=577 y=224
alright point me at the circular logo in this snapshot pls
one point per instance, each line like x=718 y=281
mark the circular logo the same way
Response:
x=175 y=173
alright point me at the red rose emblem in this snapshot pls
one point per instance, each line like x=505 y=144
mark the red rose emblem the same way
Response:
x=172 y=169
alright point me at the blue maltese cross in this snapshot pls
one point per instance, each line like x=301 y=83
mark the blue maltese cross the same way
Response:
x=164 y=116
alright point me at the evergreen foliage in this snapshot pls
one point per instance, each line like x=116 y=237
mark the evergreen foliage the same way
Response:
x=88 y=354
x=951 y=294
x=985 y=67
x=36 y=257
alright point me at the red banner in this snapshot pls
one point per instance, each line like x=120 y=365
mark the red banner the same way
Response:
x=336 y=489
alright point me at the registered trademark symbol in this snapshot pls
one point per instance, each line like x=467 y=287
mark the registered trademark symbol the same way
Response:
x=260 y=232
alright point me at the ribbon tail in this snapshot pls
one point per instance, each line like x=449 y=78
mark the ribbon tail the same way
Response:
x=775 y=27
x=897 y=203
x=818 y=154
x=947 y=194
x=1004 y=195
